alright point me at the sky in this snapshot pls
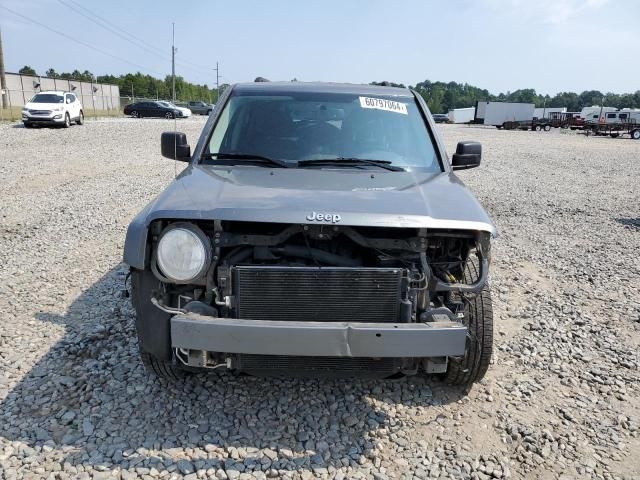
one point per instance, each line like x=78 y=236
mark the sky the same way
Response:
x=500 y=45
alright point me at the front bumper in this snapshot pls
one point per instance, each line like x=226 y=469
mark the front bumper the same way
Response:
x=51 y=120
x=318 y=339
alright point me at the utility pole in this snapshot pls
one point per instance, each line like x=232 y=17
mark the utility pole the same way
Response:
x=173 y=62
x=217 y=82
x=3 y=80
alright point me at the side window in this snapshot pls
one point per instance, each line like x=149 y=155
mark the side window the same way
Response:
x=622 y=116
x=611 y=115
x=220 y=130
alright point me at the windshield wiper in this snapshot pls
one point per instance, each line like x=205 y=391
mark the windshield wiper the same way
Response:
x=247 y=157
x=352 y=162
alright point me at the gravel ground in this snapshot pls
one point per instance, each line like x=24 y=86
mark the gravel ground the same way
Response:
x=560 y=401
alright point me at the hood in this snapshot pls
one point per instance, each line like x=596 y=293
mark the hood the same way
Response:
x=42 y=106
x=369 y=197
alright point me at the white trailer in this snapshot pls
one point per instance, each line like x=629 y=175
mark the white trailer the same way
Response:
x=462 y=115
x=548 y=112
x=501 y=114
x=593 y=113
x=622 y=116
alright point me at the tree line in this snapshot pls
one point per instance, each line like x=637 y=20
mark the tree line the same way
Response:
x=444 y=96
x=139 y=85
x=440 y=96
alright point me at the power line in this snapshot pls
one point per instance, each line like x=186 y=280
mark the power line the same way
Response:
x=115 y=29
x=114 y=26
x=80 y=42
x=108 y=28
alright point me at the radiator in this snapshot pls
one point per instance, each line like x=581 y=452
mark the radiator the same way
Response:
x=327 y=294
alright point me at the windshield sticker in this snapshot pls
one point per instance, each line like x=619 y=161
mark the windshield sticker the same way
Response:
x=383 y=104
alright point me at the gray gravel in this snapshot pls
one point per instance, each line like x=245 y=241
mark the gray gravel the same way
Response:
x=561 y=400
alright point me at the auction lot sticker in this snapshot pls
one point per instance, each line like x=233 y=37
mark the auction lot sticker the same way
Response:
x=383 y=104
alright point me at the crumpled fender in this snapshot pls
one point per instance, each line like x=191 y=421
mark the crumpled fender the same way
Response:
x=135 y=243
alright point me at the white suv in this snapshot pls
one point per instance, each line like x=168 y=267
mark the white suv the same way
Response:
x=53 y=108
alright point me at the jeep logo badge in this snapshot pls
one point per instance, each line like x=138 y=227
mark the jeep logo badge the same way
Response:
x=324 y=217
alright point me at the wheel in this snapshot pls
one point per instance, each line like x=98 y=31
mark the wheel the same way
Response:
x=538 y=128
x=27 y=125
x=153 y=328
x=635 y=134
x=208 y=112
x=80 y=120
x=547 y=128
x=135 y=114
x=474 y=364
x=67 y=120
x=169 y=115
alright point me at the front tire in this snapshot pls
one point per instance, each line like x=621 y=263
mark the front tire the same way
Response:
x=80 y=120
x=27 y=125
x=473 y=365
x=153 y=328
x=635 y=134
x=169 y=116
x=67 y=121
x=164 y=370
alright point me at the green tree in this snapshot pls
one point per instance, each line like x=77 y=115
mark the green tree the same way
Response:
x=27 y=70
x=51 y=73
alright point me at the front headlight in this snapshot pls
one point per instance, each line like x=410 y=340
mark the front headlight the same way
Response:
x=58 y=109
x=183 y=252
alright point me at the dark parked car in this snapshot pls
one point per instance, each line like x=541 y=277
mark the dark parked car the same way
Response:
x=200 y=108
x=319 y=229
x=440 y=117
x=152 y=109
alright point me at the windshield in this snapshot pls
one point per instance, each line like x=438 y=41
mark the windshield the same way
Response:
x=294 y=127
x=167 y=104
x=47 y=98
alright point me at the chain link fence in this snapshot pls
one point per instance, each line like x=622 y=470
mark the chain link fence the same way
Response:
x=98 y=99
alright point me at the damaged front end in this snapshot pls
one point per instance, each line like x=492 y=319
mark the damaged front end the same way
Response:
x=319 y=299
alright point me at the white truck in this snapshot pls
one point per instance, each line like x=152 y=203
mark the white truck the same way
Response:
x=504 y=114
x=462 y=115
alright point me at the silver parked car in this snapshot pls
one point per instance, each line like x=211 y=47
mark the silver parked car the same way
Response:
x=319 y=229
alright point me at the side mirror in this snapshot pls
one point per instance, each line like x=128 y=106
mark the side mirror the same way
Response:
x=174 y=145
x=467 y=155
x=68 y=100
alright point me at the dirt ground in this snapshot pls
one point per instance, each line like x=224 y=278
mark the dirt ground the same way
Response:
x=560 y=401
